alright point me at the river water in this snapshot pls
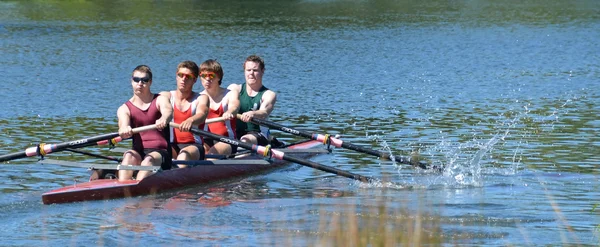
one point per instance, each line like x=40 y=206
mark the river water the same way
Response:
x=503 y=95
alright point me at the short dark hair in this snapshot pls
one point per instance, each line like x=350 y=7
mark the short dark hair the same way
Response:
x=191 y=65
x=144 y=69
x=256 y=59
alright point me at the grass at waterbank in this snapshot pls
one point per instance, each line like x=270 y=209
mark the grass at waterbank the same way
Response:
x=356 y=224
x=378 y=227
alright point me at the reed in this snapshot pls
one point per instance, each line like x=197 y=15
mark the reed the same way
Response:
x=378 y=225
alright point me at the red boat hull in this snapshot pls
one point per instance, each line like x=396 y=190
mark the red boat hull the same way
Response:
x=103 y=189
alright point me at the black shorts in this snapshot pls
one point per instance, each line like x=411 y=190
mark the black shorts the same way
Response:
x=178 y=147
x=166 y=163
x=260 y=137
x=211 y=142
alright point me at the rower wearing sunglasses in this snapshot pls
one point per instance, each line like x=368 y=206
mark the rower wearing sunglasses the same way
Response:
x=150 y=148
x=256 y=101
x=223 y=103
x=189 y=110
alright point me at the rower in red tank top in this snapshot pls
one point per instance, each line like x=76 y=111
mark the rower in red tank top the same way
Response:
x=189 y=110
x=184 y=137
x=224 y=128
x=223 y=103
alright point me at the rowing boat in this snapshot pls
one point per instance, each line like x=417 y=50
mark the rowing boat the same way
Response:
x=201 y=172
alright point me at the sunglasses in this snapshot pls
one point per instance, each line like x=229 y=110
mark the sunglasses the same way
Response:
x=208 y=75
x=144 y=80
x=186 y=76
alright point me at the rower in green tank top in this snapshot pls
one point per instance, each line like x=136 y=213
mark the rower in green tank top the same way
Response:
x=249 y=103
x=256 y=101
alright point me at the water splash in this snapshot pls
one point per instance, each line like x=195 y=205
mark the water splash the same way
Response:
x=467 y=163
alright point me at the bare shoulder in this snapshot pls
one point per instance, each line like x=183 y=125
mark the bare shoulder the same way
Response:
x=232 y=93
x=163 y=97
x=269 y=95
x=163 y=101
x=203 y=97
x=165 y=94
x=234 y=87
x=123 y=109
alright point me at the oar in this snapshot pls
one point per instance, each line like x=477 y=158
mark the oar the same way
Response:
x=94 y=155
x=211 y=120
x=42 y=149
x=338 y=143
x=278 y=155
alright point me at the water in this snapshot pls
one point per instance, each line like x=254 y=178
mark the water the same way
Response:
x=503 y=94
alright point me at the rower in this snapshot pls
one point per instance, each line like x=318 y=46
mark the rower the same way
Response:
x=189 y=109
x=224 y=103
x=149 y=148
x=256 y=101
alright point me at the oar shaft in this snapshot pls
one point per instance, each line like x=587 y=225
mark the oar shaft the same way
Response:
x=337 y=142
x=94 y=155
x=278 y=154
x=328 y=169
x=43 y=149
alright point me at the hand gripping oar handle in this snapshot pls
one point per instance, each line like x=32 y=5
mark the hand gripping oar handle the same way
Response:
x=43 y=149
x=278 y=155
x=326 y=139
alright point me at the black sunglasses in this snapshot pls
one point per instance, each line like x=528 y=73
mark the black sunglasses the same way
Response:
x=143 y=79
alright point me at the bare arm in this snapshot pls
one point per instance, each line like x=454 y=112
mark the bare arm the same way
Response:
x=266 y=107
x=164 y=106
x=124 y=120
x=200 y=116
x=233 y=103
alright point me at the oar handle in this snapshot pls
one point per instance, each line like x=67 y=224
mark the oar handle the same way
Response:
x=278 y=154
x=214 y=120
x=143 y=128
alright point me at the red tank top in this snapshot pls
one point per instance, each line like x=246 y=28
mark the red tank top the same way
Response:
x=153 y=138
x=224 y=128
x=180 y=137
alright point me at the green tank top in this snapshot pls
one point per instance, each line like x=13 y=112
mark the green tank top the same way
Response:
x=248 y=103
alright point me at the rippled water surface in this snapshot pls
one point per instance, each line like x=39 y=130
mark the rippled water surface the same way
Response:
x=503 y=95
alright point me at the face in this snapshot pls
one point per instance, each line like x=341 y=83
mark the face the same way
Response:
x=185 y=79
x=253 y=73
x=140 y=81
x=209 y=79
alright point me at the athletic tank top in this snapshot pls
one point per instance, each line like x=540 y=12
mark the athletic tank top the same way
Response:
x=223 y=128
x=248 y=103
x=153 y=138
x=178 y=136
